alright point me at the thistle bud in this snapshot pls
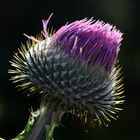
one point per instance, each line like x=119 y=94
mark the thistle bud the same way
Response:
x=75 y=69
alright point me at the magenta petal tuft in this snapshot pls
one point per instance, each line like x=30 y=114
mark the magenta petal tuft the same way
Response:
x=94 y=41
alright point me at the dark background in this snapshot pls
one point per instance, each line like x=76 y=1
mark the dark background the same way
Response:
x=24 y=16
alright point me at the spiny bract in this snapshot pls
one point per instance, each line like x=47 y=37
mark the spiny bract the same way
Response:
x=75 y=68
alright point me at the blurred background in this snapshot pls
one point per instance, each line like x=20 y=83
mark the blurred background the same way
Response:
x=24 y=16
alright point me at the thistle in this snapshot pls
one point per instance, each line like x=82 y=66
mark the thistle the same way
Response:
x=75 y=70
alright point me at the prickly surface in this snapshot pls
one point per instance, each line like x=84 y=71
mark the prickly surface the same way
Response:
x=88 y=92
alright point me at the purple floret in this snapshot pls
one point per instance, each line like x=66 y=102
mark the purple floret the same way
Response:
x=92 y=41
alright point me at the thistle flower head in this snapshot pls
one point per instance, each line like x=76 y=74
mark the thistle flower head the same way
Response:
x=75 y=68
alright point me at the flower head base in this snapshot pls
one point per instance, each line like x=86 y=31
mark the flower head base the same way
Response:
x=75 y=69
x=93 y=41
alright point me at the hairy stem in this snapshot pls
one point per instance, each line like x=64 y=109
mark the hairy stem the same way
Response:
x=42 y=123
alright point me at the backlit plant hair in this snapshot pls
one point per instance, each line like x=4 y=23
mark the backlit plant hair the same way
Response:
x=75 y=70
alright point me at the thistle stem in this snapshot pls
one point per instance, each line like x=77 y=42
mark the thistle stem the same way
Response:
x=47 y=121
x=42 y=125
